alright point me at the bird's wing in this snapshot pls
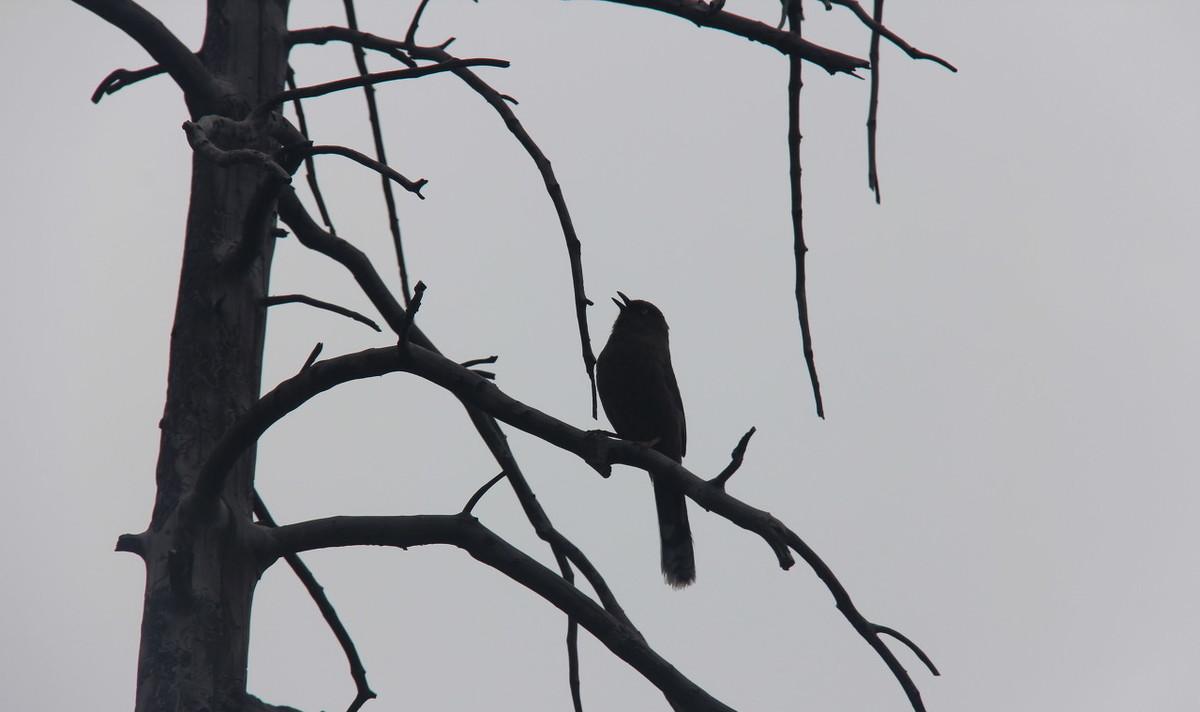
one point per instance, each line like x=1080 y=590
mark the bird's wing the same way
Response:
x=677 y=402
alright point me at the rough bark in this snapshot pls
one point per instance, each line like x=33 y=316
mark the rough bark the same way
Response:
x=200 y=580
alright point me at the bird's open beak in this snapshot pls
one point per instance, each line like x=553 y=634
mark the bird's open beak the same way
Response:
x=624 y=299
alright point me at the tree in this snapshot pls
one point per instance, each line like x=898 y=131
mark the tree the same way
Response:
x=202 y=550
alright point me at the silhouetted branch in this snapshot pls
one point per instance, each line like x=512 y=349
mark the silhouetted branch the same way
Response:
x=383 y=169
x=799 y=249
x=357 y=672
x=303 y=299
x=872 y=112
x=375 y=78
x=201 y=91
x=735 y=461
x=465 y=532
x=410 y=37
x=118 y=79
x=281 y=400
x=479 y=361
x=786 y=42
x=310 y=166
x=601 y=453
x=410 y=317
x=497 y=101
x=312 y=356
x=911 y=646
x=878 y=28
x=470 y=505
x=350 y=257
x=389 y=198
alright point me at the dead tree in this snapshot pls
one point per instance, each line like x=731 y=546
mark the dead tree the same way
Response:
x=210 y=536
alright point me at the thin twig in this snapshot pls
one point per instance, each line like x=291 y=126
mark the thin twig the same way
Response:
x=410 y=37
x=470 y=505
x=310 y=166
x=413 y=307
x=201 y=90
x=327 y=306
x=389 y=197
x=877 y=27
x=487 y=547
x=260 y=113
x=799 y=248
x=389 y=174
x=479 y=361
x=911 y=646
x=872 y=112
x=357 y=671
x=496 y=100
x=312 y=356
x=735 y=460
x=118 y=79
x=789 y=43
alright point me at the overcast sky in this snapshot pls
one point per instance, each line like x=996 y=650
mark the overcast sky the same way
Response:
x=1008 y=349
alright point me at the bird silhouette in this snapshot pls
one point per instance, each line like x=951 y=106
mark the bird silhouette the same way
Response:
x=641 y=399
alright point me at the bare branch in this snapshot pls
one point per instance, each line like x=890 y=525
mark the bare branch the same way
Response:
x=310 y=166
x=479 y=361
x=786 y=42
x=202 y=92
x=496 y=100
x=312 y=356
x=601 y=453
x=739 y=452
x=878 y=28
x=281 y=400
x=382 y=168
x=911 y=646
x=375 y=78
x=467 y=533
x=303 y=299
x=499 y=102
x=409 y=318
x=118 y=79
x=470 y=505
x=357 y=672
x=799 y=248
x=389 y=198
x=872 y=111
x=410 y=37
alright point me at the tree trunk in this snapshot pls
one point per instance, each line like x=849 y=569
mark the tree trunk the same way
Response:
x=196 y=617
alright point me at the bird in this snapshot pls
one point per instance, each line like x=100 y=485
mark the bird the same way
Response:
x=641 y=399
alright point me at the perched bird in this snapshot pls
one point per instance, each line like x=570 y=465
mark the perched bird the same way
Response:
x=641 y=398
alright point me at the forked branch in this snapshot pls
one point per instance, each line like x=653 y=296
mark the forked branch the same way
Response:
x=465 y=532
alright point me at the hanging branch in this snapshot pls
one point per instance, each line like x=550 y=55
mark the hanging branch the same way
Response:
x=357 y=672
x=800 y=250
x=500 y=103
x=389 y=198
x=310 y=166
x=872 y=112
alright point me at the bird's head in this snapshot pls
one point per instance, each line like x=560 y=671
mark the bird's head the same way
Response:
x=638 y=316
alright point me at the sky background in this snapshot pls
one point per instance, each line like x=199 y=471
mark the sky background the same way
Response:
x=1007 y=346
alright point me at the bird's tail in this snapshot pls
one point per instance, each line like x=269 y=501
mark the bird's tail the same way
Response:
x=678 y=558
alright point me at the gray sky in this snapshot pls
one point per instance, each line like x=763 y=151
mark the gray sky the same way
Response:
x=1008 y=349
